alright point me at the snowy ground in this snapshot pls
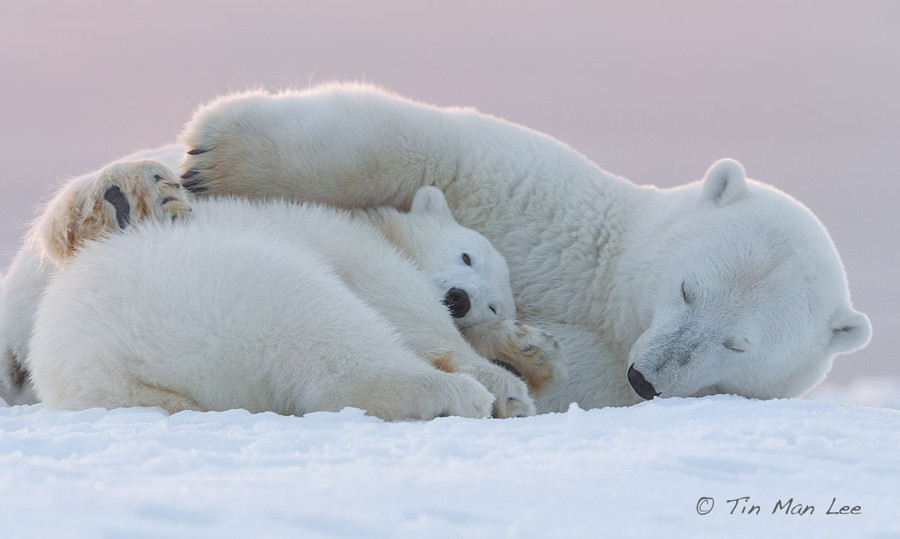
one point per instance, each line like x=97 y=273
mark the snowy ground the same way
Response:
x=872 y=391
x=648 y=470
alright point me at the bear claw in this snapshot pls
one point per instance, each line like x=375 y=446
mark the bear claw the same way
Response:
x=194 y=186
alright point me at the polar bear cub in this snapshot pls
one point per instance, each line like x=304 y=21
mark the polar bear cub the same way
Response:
x=272 y=306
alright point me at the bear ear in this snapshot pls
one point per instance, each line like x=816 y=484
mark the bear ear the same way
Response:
x=725 y=182
x=430 y=201
x=851 y=330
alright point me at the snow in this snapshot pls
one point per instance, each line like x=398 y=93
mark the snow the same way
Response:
x=614 y=472
x=874 y=391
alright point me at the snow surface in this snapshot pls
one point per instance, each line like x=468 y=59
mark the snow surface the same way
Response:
x=614 y=472
x=874 y=391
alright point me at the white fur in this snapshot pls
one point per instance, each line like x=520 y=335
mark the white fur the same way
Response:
x=596 y=260
x=362 y=255
x=32 y=269
x=259 y=306
x=483 y=273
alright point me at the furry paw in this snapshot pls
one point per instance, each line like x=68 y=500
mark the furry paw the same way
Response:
x=228 y=169
x=466 y=398
x=231 y=149
x=532 y=353
x=421 y=396
x=206 y=162
x=121 y=195
x=193 y=180
x=143 y=190
x=511 y=397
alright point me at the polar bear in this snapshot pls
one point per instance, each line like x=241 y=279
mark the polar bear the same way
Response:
x=271 y=306
x=461 y=265
x=725 y=285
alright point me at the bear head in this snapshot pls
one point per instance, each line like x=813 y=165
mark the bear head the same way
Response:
x=470 y=273
x=742 y=292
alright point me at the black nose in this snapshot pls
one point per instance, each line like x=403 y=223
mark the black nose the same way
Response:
x=458 y=302
x=640 y=384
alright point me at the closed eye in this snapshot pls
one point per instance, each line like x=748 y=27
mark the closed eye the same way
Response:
x=467 y=260
x=687 y=293
x=733 y=346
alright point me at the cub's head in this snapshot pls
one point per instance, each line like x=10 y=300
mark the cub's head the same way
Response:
x=747 y=295
x=472 y=276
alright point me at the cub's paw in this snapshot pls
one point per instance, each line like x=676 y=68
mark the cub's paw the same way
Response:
x=530 y=352
x=145 y=190
x=511 y=397
x=121 y=195
x=423 y=396
x=463 y=396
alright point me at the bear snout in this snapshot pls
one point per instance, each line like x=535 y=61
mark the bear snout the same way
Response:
x=640 y=384
x=457 y=300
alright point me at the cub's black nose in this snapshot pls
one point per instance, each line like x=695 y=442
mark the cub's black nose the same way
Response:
x=458 y=302
x=640 y=384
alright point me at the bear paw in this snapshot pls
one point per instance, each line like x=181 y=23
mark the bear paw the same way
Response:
x=121 y=195
x=464 y=397
x=529 y=352
x=208 y=170
x=145 y=190
x=511 y=397
x=418 y=395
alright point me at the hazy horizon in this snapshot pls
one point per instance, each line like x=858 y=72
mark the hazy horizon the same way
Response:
x=804 y=94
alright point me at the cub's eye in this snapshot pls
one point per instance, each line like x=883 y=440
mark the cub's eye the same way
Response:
x=687 y=293
x=467 y=260
x=733 y=346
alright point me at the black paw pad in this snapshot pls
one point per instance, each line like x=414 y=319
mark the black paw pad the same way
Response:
x=119 y=201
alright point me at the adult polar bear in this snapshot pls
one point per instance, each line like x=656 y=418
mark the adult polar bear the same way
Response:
x=720 y=286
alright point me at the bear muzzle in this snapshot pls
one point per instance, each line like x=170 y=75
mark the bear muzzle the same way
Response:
x=640 y=384
x=457 y=300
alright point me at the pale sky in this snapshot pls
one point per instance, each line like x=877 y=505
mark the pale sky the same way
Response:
x=805 y=94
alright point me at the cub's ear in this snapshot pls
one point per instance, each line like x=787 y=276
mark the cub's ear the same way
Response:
x=850 y=330
x=725 y=182
x=430 y=201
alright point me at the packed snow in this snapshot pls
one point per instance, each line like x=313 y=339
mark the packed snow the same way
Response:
x=647 y=470
x=873 y=391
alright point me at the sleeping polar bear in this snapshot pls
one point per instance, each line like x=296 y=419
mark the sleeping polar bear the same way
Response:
x=720 y=286
x=725 y=285
x=271 y=306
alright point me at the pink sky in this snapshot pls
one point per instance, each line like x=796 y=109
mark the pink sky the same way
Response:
x=806 y=94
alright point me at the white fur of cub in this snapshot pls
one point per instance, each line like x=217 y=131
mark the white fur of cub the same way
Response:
x=263 y=306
